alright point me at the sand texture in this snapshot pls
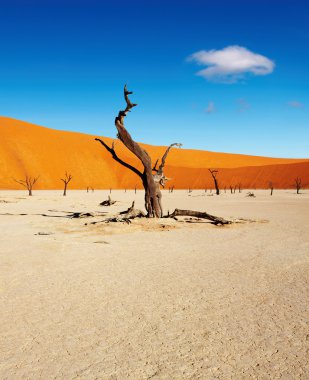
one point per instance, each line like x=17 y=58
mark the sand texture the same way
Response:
x=156 y=299
x=28 y=149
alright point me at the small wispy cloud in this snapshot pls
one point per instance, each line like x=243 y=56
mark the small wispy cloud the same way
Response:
x=295 y=104
x=231 y=64
x=210 y=107
x=243 y=105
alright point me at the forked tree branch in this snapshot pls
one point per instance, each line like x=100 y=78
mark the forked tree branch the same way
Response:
x=154 y=169
x=163 y=159
x=112 y=151
x=213 y=172
x=28 y=182
x=67 y=178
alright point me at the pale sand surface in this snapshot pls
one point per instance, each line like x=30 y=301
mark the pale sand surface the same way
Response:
x=144 y=301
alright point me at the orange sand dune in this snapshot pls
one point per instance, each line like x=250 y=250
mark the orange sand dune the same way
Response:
x=251 y=177
x=34 y=150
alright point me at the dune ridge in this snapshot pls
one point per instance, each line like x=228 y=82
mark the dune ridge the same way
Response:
x=27 y=148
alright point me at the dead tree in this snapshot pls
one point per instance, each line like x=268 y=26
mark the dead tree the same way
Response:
x=271 y=186
x=151 y=177
x=214 y=176
x=297 y=183
x=239 y=187
x=67 y=178
x=28 y=183
x=231 y=188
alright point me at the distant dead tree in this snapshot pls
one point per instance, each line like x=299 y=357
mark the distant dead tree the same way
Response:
x=231 y=188
x=214 y=177
x=297 y=184
x=67 y=178
x=239 y=187
x=28 y=183
x=271 y=186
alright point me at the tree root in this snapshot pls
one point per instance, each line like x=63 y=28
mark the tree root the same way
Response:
x=250 y=194
x=108 y=202
x=124 y=216
x=200 y=215
x=132 y=213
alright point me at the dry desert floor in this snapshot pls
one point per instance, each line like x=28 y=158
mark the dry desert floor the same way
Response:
x=156 y=299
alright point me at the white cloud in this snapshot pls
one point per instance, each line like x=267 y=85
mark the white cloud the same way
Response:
x=231 y=64
x=295 y=104
x=210 y=108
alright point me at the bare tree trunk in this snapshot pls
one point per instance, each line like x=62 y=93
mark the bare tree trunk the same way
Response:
x=297 y=184
x=271 y=188
x=214 y=175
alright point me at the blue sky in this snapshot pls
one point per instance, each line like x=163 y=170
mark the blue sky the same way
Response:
x=63 y=65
